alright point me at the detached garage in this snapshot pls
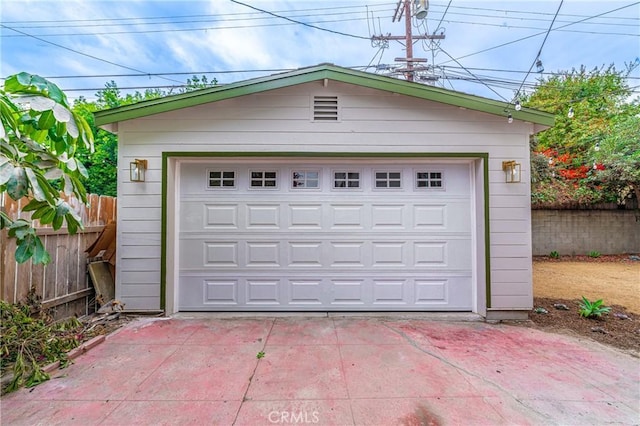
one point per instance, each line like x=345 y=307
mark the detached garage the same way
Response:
x=324 y=189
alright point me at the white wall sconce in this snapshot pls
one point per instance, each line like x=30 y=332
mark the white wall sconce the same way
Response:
x=137 y=170
x=512 y=171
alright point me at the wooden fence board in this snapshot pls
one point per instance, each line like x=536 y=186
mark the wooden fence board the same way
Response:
x=50 y=272
x=62 y=284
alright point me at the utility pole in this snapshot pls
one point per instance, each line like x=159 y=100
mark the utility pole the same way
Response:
x=404 y=8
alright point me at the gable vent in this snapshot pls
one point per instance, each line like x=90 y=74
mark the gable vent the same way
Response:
x=325 y=108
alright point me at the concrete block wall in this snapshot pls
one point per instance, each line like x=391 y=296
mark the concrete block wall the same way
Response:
x=574 y=232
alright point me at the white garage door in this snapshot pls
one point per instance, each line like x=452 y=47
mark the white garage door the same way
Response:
x=333 y=235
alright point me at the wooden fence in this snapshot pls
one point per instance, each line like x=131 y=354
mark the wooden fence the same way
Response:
x=62 y=284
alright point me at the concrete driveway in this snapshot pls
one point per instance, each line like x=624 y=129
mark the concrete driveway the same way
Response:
x=334 y=370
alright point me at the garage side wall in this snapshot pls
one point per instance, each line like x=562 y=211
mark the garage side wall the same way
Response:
x=369 y=121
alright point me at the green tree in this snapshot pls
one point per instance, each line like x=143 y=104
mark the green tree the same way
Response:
x=619 y=154
x=102 y=163
x=40 y=136
x=591 y=107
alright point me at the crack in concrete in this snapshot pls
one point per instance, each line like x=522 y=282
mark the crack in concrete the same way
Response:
x=253 y=373
x=465 y=371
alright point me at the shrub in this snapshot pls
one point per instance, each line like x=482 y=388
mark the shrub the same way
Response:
x=554 y=255
x=593 y=309
x=594 y=254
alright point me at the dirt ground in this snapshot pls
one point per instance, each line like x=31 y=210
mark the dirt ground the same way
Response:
x=615 y=279
x=617 y=283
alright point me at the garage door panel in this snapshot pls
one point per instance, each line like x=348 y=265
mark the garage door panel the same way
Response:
x=263 y=216
x=263 y=292
x=305 y=216
x=346 y=216
x=220 y=216
x=256 y=293
x=451 y=253
x=364 y=248
x=388 y=216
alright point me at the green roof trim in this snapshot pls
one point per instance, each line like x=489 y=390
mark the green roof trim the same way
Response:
x=315 y=73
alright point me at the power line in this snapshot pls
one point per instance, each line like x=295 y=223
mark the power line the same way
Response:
x=537 y=58
x=82 y=53
x=277 y=70
x=169 y=30
x=442 y=17
x=472 y=74
x=537 y=34
x=300 y=22
x=524 y=12
x=192 y=16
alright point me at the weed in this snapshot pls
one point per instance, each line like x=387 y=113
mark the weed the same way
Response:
x=554 y=255
x=260 y=355
x=593 y=309
x=594 y=254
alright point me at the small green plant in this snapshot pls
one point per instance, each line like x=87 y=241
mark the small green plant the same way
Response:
x=554 y=255
x=260 y=355
x=593 y=309
x=594 y=254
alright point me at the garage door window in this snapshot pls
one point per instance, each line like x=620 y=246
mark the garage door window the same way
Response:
x=263 y=179
x=388 y=180
x=221 y=179
x=301 y=179
x=346 y=179
x=428 y=179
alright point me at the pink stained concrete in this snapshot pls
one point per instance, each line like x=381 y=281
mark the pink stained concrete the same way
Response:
x=404 y=372
x=425 y=411
x=345 y=371
x=16 y=412
x=106 y=373
x=201 y=373
x=299 y=372
x=156 y=331
x=324 y=412
x=175 y=413
x=363 y=332
x=311 y=331
x=230 y=332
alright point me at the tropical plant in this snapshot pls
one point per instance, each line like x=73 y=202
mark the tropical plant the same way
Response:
x=593 y=309
x=594 y=254
x=554 y=255
x=40 y=137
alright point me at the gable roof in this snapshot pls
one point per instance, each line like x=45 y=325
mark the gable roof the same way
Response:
x=316 y=73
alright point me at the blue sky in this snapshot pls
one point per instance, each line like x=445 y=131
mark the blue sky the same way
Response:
x=91 y=42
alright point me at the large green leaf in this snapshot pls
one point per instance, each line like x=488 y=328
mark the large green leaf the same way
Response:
x=62 y=114
x=6 y=171
x=57 y=221
x=25 y=249
x=33 y=205
x=36 y=103
x=17 y=186
x=46 y=120
x=20 y=229
x=48 y=216
x=36 y=189
x=40 y=254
